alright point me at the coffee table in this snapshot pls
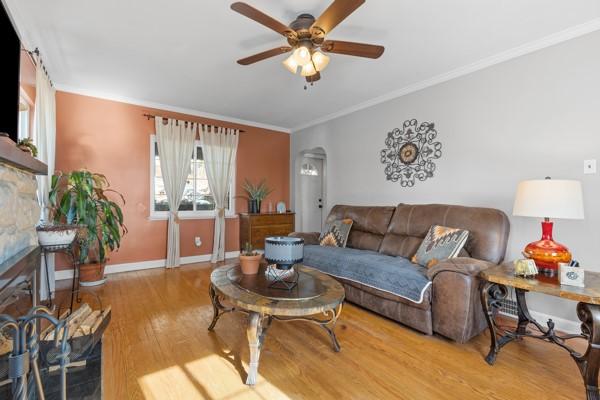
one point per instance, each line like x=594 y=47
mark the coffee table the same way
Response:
x=317 y=298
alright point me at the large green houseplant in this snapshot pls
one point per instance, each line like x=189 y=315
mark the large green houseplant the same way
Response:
x=82 y=198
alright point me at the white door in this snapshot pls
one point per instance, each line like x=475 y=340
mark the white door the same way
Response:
x=311 y=194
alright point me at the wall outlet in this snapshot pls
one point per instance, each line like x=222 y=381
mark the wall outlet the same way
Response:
x=589 y=166
x=198 y=241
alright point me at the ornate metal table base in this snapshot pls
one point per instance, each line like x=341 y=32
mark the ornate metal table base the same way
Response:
x=258 y=324
x=589 y=315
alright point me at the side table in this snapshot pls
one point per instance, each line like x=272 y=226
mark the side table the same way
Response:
x=494 y=288
x=68 y=250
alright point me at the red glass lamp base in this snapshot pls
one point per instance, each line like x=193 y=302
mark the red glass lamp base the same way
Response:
x=547 y=253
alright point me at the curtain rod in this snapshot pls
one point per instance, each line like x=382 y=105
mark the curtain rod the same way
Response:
x=150 y=116
x=33 y=60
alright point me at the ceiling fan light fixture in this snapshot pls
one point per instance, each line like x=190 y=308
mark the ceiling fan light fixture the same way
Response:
x=308 y=69
x=301 y=55
x=291 y=64
x=320 y=60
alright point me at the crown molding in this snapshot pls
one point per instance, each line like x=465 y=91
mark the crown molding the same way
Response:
x=166 y=107
x=547 y=41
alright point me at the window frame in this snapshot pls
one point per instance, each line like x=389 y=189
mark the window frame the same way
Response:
x=199 y=214
x=24 y=98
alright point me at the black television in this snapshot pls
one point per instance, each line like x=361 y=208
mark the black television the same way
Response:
x=10 y=48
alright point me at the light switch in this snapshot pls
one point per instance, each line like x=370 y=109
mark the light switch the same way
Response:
x=589 y=166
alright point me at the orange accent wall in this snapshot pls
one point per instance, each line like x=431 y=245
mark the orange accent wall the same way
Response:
x=113 y=138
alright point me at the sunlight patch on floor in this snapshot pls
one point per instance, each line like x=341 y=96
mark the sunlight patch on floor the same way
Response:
x=209 y=378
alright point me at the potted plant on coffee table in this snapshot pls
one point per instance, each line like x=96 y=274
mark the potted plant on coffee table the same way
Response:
x=249 y=260
x=82 y=198
x=256 y=194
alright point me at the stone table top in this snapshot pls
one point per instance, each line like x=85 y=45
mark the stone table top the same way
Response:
x=504 y=275
x=330 y=294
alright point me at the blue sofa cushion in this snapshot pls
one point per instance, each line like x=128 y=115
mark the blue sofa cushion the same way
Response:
x=396 y=275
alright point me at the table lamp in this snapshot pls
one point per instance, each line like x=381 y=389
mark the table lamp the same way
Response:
x=548 y=198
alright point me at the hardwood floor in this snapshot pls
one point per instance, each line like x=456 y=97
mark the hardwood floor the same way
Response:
x=158 y=347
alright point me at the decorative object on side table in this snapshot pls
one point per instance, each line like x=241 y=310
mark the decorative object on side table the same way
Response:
x=81 y=197
x=495 y=284
x=249 y=260
x=284 y=252
x=410 y=153
x=256 y=194
x=525 y=267
x=572 y=274
x=548 y=198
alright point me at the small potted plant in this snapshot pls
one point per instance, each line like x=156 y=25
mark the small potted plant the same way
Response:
x=27 y=146
x=256 y=194
x=249 y=260
x=81 y=198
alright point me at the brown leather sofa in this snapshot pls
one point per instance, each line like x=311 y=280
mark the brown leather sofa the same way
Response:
x=450 y=305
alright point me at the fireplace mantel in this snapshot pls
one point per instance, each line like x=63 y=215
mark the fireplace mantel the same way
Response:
x=10 y=154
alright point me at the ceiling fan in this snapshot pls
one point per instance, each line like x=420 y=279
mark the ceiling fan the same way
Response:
x=306 y=38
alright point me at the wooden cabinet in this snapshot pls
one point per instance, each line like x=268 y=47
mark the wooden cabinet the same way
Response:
x=254 y=228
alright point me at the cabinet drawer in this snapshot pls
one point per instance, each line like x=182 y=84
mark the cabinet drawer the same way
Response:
x=259 y=233
x=272 y=219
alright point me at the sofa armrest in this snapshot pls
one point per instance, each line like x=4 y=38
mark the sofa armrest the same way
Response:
x=461 y=265
x=309 y=237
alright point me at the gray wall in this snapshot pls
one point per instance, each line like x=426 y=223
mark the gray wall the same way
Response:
x=531 y=117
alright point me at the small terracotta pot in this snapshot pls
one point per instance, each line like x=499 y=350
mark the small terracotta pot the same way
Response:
x=91 y=274
x=250 y=264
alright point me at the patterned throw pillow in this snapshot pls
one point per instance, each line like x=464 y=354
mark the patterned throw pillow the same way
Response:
x=440 y=243
x=336 y=233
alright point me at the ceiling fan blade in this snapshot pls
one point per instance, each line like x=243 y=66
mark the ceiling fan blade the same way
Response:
x=262 y=18
x=352 y=48
x=336 y=13
x=265 y=54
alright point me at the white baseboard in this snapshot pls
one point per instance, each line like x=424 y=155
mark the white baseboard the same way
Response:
x=560 y=324
x=137 y=266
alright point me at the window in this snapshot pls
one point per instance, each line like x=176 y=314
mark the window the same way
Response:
x=23 y=119
x=309 y=169
x=197 y=201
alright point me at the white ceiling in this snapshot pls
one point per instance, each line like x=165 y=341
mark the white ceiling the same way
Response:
x=182 y=53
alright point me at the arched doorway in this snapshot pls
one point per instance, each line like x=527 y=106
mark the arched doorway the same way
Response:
x=310 y=189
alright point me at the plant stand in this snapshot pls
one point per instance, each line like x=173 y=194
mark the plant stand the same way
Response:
x=68 y=250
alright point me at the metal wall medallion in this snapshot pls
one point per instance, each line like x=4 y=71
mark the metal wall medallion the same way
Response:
x=411 y=152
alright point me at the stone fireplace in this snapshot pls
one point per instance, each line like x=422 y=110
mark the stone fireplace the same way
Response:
x=19 y=210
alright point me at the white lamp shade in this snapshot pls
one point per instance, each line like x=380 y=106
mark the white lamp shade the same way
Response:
x=549 y=198
x=320 y=60
x=301 y=55
x=290 y=64
x=308 y=70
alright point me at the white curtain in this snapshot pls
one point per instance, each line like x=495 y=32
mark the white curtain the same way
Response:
x=175 y=148
x=44 y=132
x=219 y=148
x=44 y=137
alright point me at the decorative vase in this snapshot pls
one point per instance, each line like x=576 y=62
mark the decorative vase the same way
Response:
x=249 y=264
x=284 y=251
x=547 y=253
x=253 y=206
x=91 y=274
